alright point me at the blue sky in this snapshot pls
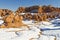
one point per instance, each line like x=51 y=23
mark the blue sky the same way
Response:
x=14 y=4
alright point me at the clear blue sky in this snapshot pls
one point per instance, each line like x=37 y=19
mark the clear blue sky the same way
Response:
x=14 y=4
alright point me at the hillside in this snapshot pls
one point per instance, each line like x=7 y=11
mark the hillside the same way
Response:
x=30 y=23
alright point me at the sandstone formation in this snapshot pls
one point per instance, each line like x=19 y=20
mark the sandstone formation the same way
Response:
x=40 y=13
x=5 y=12
x=20 y=10
x=11 y=20
x=45 y=12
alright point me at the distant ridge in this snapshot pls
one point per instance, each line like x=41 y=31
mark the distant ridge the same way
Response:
x=45 y=9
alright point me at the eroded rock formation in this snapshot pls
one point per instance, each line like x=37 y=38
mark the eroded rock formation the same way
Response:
x=20 y=10
x=40 y=13
x=44 y=12
x=11 y=20
x=4 y=12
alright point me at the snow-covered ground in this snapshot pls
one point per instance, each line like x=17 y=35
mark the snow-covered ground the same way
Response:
x=37 y=31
